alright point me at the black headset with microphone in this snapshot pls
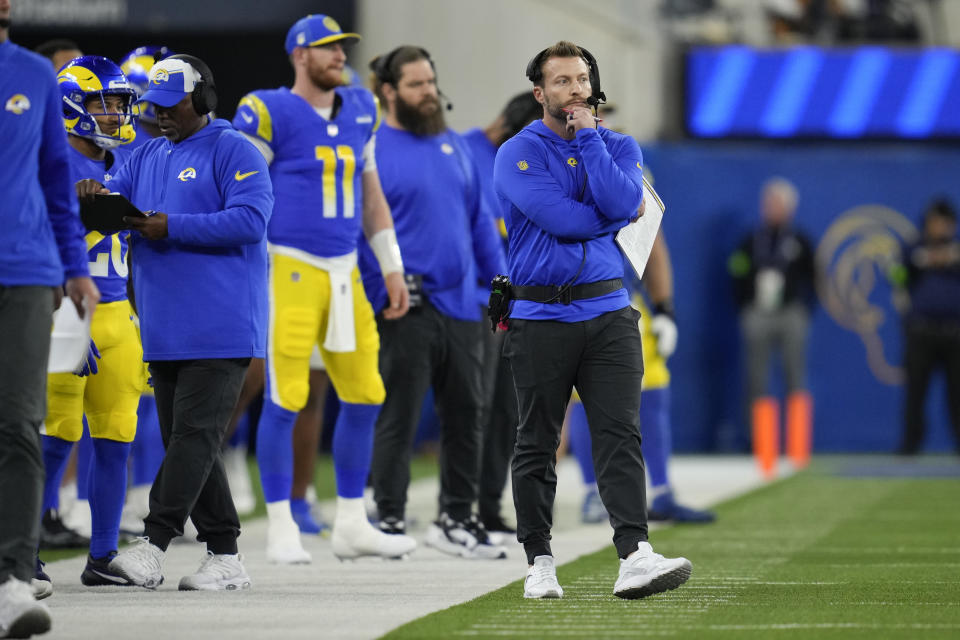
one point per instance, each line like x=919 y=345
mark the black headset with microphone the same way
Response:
x=204 y=95
x=382 y=68
x=597 y=97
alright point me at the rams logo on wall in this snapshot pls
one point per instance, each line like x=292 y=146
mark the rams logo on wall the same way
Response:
x=18 y=103
x=854 y=257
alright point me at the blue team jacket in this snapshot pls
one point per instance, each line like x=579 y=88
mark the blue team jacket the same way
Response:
x=42 y=238
x=202 y=291
x=563 y=197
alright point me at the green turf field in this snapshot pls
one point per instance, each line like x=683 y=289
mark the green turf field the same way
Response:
x=822 y=554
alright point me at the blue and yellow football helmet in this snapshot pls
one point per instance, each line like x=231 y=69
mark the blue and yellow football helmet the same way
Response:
x=96 y=77
x=136 y=66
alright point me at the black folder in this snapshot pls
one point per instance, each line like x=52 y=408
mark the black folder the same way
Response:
x=106 y=212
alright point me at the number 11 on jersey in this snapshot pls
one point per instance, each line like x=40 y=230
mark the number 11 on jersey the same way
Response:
x=331 y=157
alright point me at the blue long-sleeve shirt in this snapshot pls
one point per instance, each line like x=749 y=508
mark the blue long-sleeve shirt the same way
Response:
x=564 y=198
x=42 y=239
x=202 y=291
x=445 y=231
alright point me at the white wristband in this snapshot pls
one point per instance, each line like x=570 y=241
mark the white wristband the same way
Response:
x=385 y=247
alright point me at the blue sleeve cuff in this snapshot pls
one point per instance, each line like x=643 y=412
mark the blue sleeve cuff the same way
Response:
x=174 y=226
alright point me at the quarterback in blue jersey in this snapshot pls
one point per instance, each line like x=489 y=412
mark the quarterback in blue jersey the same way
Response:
x=318 y=138
x=97 y=101
x=42 y=254
x=446 y=234
x=199 y=276
x=570 y=186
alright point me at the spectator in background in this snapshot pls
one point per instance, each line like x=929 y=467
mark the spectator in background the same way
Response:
x=59 y=51
x=499 y=410
x=773 y=276
x=449 y=240
x=930 y=273
x=41 y=250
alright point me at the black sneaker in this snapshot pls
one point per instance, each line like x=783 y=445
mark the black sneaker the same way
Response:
x=467 y=539
x=496 y=524
x=393 y=526
x=98 y=573
x=41 y=583
x=54 y=534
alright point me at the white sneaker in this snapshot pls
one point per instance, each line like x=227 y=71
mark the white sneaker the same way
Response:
x=141 y=564
x=238 y=477
x=354 y=536
x=644 y=573
x=283 y=536
x=21 y=615
x=541 y=579
x=223 y=572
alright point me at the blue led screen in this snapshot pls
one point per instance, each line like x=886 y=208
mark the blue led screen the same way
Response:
x=817 y=92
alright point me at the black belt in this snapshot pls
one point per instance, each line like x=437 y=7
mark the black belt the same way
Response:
x=563 y=294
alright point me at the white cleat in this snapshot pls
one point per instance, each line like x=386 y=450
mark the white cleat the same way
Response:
x=135 y=509
x=283 y=536
x=223 y=572
x=644 y=573
x=141 y=564
x=355 y=537
x=79 y=518
x=238 y=477
x=541 y=579
x=21 y=616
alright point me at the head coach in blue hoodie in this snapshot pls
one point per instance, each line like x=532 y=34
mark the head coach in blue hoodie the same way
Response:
x=199 y=273
x=568 y=186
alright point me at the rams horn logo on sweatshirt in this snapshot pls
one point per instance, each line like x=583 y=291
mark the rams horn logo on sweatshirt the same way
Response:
x=187 y=174
x=18 y=103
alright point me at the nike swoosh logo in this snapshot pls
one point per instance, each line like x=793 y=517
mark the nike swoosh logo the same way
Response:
x=243 y=176
x=111 y=578
x=246 y=117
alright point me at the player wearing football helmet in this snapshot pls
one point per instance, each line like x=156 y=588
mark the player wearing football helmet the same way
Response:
x=318 y=140
x=136 y=66
x=98 y=118
x=97 y=101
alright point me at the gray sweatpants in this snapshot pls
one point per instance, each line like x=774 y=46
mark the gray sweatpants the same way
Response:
x=768 y=332
x=25 y=321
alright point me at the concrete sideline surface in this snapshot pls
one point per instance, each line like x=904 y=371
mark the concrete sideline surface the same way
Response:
x=362 y=599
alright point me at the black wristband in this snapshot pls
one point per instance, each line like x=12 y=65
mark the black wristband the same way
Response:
x=664 y=307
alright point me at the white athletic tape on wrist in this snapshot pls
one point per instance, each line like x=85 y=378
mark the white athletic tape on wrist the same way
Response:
x=385 y=247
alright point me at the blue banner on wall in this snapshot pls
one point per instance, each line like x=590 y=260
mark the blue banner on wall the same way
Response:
x=856 y=92
x=857 y=203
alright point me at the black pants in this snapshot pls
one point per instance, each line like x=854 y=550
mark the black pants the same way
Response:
x=421 y=349
x=499 y=420
x=929 y=346
x=25 y=315
x=603 y=359
x=195 y=399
